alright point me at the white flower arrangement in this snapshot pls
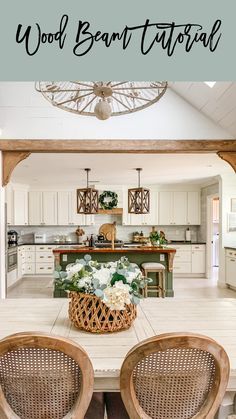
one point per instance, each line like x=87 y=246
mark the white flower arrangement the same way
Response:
x=116 y=283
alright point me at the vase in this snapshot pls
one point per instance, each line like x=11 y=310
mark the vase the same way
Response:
x=88 y=312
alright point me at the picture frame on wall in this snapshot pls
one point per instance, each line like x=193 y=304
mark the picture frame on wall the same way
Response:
x=233 y=204
x=232 y=221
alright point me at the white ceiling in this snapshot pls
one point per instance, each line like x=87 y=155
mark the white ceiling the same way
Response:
x=118 y=169
x=186 y=111
x=217 y=103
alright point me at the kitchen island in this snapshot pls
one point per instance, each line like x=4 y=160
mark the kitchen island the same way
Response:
x=63 y=256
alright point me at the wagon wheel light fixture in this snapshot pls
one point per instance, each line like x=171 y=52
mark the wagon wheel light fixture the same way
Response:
x=138 y=198
x=87 y=199
x=102 y=99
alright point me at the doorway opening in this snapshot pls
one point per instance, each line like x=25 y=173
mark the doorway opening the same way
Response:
x=213 y=223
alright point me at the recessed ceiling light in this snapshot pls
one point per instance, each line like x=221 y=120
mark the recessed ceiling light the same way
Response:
x=210 y=83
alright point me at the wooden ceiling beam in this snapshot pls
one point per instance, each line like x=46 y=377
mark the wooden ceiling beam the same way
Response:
x=229 y=157
x=119 y=146
x=10 y=161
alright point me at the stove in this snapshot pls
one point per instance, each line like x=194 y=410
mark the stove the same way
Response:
x=108 y=243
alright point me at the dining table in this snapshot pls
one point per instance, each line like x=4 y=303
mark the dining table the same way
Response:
x=215 y=318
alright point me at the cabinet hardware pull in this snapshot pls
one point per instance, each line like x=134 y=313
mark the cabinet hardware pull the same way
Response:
x=232 y=260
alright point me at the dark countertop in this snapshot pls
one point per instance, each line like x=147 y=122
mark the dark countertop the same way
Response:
x=30 y=243
x=186 y=242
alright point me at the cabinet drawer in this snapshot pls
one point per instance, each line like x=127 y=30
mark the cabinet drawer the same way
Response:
x=44 y=257
x=201 y=247
x=46 y=248
x=182 y=257
x=230 y=271
x=230 y=253
x=182 y=248
x=29 y=257
x=29 y=268
x=182 y=267
x=29 y=248
x=44 y=268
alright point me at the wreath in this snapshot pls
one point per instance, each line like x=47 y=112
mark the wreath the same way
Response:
x=108 y=200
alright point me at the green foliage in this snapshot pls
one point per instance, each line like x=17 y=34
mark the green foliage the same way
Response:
x=108 y=200
x=118 y=277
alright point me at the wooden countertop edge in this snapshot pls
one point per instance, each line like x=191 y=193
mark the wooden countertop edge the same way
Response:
x=107 y=250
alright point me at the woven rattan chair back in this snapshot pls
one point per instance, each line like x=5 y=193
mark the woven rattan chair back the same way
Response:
x=43 y=377
x=174 y=376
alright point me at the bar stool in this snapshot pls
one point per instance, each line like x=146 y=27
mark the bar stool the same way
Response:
x=159 y=269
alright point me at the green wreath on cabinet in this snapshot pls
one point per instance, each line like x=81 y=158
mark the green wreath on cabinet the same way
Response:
x=108 y=200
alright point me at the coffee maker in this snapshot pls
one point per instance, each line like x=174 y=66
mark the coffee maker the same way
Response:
x=12 y=238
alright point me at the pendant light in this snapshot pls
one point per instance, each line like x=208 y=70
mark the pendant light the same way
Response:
x=138 y=199
x=87 y=199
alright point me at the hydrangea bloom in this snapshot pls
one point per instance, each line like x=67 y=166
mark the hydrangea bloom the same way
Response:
x=116 y=283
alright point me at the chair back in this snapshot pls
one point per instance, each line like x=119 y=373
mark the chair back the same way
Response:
x=174 y=375
x=43 y=377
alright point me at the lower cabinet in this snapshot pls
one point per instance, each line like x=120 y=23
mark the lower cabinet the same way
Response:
x=35 y=260
x=230 y=267
x=189 y=259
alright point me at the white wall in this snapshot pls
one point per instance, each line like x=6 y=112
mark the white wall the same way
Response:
x=227 y=191
x=2 y=235
x=25 y=114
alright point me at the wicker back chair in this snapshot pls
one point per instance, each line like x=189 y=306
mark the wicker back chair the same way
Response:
x=174 y=376
x=43 y=377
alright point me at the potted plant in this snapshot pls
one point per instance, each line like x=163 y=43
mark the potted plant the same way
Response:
x=155 y=238
x=103 y=295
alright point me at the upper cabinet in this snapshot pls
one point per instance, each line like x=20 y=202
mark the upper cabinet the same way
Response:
x=67 y=210
x=179 y=208
x=20 y=207
x=43 y=208
x=194 y=208
x=17 y=205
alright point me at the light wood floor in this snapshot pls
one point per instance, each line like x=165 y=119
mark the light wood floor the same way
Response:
x=41 y=287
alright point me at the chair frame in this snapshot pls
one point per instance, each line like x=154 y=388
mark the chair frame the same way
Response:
x=175 y=340
x=58 y=343
x=161 y=279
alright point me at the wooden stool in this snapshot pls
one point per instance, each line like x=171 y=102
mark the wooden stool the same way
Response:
x=159 y=269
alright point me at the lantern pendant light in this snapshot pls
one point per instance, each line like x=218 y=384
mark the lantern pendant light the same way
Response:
x=87 y=199
x=138 y=199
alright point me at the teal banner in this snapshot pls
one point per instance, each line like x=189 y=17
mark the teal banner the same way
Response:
x=126 y=40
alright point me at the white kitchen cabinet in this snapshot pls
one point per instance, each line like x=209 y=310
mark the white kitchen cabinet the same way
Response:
x=43 y=208
x=20 y=262
x=189 y=259
x=230 y=267
x=20 y=207
x=172 y=208
x=49 y=208
x=9 y=202
x=198 y=259
x=64 y=208
x=179 y=216
x=182 y=259
x=35 y=207
x=165 y=208
x=142 y=219
x=193 y=211
x=179 y=208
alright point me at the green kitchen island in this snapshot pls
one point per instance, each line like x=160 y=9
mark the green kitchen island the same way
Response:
x=64 y=255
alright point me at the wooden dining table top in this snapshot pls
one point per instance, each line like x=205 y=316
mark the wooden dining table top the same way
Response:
x=215 y=318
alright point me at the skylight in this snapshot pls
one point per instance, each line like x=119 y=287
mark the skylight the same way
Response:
x=210 y=83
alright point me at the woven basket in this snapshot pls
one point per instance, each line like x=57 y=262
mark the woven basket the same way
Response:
x=88 y=312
